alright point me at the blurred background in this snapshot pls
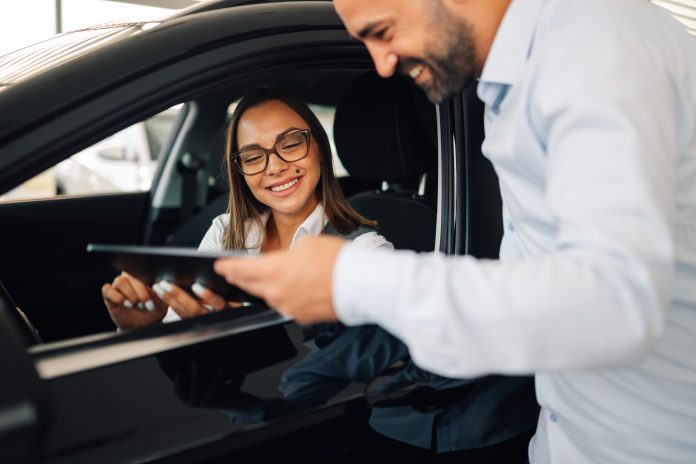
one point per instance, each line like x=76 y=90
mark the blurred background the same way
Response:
x=24 y=22
x=127 y=160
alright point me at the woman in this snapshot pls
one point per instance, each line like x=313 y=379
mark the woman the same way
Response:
x=282 y=186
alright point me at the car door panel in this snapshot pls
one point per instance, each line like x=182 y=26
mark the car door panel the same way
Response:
x=218 y=396
x=45 y=264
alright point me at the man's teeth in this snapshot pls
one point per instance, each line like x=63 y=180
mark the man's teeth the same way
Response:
x=280 y=188
x=416 y=70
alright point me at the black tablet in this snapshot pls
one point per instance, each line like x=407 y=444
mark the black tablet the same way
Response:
x=181 y=266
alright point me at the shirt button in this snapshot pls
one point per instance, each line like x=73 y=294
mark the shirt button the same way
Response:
x=511 y=227
x=553 y=417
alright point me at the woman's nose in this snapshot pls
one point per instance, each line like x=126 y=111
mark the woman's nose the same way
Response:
x=275 y=164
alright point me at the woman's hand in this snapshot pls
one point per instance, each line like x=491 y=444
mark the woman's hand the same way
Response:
x=132 y=304
x=186 y=305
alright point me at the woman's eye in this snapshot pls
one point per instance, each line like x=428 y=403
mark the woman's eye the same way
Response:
x=252 y=159
x=290 y=146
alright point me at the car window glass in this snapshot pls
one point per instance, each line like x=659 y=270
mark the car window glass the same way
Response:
x=123 y=162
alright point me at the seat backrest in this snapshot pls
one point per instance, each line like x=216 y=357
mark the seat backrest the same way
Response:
x=381 y=136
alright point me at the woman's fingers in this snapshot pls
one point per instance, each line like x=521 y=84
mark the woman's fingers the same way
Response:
x=136 y=292
x=186 y=305
x=127 y=314
x=112 y=297
x=122 y=285
x=209 y=298
x=180 y=301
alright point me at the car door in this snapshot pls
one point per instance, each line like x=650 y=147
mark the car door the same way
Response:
x=142 y=396
x=43 y=259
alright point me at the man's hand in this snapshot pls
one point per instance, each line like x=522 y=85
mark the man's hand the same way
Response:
x=296 y=283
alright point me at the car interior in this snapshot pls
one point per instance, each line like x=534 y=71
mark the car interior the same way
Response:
x=384 y=134
x=393 y=145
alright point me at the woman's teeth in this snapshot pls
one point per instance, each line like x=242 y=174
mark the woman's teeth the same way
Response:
x=287 y=185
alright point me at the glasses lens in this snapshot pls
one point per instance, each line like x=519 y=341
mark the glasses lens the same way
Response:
x=251 y=160
x=293 y=146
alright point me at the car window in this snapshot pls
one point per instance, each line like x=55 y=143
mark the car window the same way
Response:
x=123 y=162
x=157 y=130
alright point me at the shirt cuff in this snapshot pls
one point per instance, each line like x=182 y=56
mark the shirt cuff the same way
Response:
x=364 y=285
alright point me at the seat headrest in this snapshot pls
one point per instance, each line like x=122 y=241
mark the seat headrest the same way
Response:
x=378 y=132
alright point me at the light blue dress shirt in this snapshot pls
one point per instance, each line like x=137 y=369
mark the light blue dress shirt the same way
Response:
x=591 y=127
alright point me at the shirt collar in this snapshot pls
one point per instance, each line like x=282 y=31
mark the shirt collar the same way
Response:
x=312 y=225
x=511 y=46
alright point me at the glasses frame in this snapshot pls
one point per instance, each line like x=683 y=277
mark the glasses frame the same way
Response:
x=267 y=152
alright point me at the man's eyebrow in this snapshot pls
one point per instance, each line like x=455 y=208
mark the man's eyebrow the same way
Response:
x=368 y=30
x=256 y=145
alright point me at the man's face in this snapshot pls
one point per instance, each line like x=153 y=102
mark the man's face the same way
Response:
x=419 y=38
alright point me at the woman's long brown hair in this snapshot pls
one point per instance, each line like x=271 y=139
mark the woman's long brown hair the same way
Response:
x=243 y=206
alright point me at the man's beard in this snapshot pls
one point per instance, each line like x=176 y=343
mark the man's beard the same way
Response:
x=449 y=56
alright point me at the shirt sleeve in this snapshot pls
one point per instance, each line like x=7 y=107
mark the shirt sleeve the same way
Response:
x=372 y=240
x=598 y=298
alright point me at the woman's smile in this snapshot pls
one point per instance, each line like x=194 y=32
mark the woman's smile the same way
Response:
x=285 y=187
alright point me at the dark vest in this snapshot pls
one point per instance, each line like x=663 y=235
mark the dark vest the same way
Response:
x=330 y=230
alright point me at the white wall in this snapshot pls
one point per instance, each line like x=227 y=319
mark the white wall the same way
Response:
x=24 y=22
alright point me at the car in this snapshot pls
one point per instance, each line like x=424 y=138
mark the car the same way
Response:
x=74 y=390
x=123 y=162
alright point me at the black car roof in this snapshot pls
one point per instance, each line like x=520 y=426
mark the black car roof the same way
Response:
x=42 y=82
x=35 y=59
x=24 y=63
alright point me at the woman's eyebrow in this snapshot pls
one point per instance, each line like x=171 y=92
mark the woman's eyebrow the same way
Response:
x=257 y=145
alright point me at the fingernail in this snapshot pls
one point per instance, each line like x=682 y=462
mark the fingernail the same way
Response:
x=128 y=304
x=150 y=305
x=198 y=289
x=209 y=308
x=166 y=286
x=158 y=290
x=141 y=306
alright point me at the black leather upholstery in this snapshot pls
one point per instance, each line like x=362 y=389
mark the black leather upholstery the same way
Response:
x=380 y=136
x=192 y=232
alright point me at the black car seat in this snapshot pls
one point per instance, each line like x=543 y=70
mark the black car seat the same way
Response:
x=381 y=132
x=191 y=232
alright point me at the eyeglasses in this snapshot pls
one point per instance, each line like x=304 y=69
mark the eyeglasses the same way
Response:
x=289 y=147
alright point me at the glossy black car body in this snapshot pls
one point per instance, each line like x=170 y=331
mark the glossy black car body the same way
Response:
x=144 y=396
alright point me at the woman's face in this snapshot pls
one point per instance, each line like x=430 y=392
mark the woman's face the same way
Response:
x=288 y=188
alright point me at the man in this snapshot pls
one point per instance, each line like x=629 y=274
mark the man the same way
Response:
x=590 y=116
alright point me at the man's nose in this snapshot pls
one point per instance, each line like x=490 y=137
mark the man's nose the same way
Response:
x=385 y=60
